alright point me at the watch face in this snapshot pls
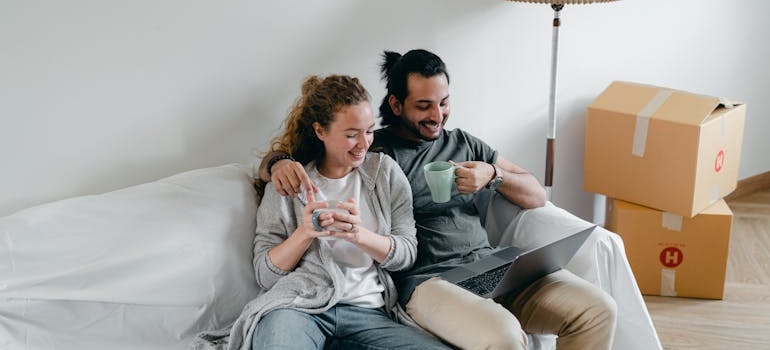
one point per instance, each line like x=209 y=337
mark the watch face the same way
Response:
x=496 y=181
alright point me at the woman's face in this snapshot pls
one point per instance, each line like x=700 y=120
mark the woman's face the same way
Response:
x=346 y=140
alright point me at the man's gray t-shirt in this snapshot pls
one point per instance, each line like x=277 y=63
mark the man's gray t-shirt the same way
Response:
x=448 y=234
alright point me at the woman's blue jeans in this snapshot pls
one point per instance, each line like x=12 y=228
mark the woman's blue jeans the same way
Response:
x=341 y=327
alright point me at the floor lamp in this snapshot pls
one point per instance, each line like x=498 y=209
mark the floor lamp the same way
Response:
x=550 y=150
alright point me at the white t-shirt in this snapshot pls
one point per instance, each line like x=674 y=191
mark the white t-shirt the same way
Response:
x=361 y=285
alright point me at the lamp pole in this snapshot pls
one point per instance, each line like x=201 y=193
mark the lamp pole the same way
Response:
x=550 y=151
x=551 y=133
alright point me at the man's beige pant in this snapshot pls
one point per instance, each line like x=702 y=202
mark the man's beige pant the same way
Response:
x=579 y=313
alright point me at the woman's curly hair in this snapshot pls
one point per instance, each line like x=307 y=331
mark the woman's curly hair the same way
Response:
x=320 y=99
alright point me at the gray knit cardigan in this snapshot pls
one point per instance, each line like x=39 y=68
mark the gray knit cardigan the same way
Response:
x=310 y=287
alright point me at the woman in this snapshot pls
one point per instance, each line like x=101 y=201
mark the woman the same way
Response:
x=324 y=280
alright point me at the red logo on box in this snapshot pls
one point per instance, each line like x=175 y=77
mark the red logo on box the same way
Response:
x=719 y=162
x=671 y=257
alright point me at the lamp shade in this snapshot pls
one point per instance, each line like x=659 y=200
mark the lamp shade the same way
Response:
x=562 y=2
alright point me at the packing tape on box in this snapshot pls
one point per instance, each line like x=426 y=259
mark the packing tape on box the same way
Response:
x=643 y=122
x=715 y=190
x=726 y=103
x=671 y=221
x=668 y=282
x=715 y=194
x=722 y=127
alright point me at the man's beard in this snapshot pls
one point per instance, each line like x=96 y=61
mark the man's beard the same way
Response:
x=415 y=131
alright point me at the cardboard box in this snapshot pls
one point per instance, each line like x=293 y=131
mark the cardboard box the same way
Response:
x=666 y=149
x=672 y=255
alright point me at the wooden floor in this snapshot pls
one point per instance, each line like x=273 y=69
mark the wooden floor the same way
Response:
x=742 y=319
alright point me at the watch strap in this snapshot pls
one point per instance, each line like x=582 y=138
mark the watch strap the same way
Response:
x=274 y=160
x=497 y=179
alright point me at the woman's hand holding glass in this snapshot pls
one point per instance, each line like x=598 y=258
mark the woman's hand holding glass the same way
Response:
x=345 y=226
x=334 y=219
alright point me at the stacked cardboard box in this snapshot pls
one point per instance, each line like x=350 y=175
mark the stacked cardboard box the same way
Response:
x=665 y=159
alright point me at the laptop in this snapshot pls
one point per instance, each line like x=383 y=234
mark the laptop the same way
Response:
x=511 y=270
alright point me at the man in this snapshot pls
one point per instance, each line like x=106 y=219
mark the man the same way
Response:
x=414 y=113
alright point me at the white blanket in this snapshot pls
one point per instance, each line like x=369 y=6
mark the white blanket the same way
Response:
x=145 y=267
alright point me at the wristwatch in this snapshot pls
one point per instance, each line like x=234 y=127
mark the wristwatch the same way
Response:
x=497 y=180
x=276 y=159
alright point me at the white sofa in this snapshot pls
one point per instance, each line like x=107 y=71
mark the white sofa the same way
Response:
x=149 y=266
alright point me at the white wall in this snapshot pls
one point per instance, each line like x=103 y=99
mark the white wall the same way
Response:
x=98 y=95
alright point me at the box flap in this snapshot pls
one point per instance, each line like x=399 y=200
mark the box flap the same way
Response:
x=657 y=102
x=720 y=207
x=724 y=106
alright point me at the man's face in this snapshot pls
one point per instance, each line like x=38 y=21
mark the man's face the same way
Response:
x=426 y=108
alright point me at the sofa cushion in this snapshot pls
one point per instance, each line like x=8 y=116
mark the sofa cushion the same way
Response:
x=144 y=267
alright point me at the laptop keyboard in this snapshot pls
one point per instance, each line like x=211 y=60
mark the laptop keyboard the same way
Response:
x=486 y=282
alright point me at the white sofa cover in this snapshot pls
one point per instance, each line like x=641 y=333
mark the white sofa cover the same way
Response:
x=145 y=267
x=149 y=266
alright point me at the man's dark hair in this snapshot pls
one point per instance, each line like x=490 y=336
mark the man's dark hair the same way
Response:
x=395 y=70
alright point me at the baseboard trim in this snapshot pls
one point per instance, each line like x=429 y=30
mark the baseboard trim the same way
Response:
x=750 y=185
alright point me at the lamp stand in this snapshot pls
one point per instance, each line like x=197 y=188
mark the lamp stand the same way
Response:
x=551 y=134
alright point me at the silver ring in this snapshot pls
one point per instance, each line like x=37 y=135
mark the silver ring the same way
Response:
x=353 y=228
